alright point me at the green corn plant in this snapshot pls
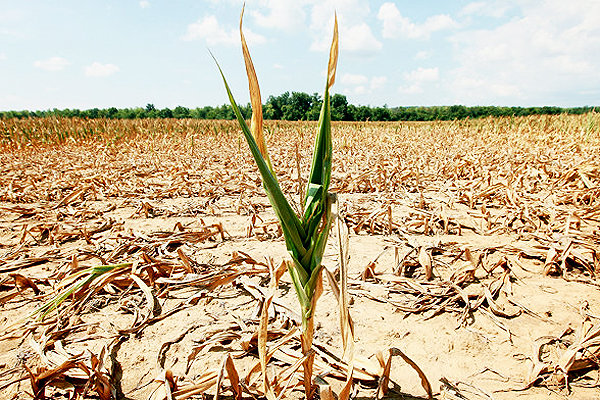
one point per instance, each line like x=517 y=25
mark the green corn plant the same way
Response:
x=306 y=234
x=81 y=280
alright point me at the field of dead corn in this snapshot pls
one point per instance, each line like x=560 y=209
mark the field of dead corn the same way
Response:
x=136 y=257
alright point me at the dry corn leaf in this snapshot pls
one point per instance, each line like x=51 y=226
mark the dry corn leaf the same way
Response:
x=425 y=262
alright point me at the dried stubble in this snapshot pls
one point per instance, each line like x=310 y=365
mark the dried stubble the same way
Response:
x=535 y=180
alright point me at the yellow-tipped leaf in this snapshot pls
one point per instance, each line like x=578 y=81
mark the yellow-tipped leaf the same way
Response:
x=256 y=122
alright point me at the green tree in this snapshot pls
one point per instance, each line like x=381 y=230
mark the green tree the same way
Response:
x=93 y=113
x=381 y=114
x=181 y=112
x=275 y=104
x=298 y=107
x=457 y=112
x=165 y=113
x=112 y=112
x=363 y=113
x=339 y=107
x=316 y=103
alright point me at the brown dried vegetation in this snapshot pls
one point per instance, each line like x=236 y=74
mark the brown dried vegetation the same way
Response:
x=474 y=250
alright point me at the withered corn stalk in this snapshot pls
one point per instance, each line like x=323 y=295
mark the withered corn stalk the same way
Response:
x=305 y=235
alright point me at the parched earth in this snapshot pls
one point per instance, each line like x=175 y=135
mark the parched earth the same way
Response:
x=473 y=254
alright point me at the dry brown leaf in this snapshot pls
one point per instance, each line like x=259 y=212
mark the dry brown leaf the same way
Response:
x=425 y=262
x=234 y=377
x=22 y=282
x=256 y=123
x=263 y=330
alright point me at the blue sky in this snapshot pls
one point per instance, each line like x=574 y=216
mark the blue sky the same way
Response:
x=127 y=53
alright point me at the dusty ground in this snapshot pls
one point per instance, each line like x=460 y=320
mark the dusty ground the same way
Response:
x=473 y=250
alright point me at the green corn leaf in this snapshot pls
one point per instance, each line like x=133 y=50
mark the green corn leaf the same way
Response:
x=299 y=279
x=291 y=224
x=320 y=172
x=92 y=273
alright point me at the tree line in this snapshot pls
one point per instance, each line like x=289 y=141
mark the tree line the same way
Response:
x=297 y=106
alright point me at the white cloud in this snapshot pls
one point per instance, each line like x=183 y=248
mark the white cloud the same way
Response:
x=423 y=75
x=210 y=30
x=494 y=9
x=395 y=25
x=144 y=3
x=482 y=86
x=378 y=82
x=97 y=69
x=2 y=56
x=362 y=84
x=411 y=89
x=10 y=101
x=543 y=56
x=357 y=39
x=355 y=34
x=354 y=79
x=236 y=3
x=349 y=12
x=286 y=15
x=473 y=8
x=422 y=55
x=357 y=90
x=52 y=64
x=418 y=78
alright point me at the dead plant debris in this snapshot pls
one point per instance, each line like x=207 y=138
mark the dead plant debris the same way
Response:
x=137 y=262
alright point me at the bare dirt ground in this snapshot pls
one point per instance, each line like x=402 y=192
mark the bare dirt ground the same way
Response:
x=473 y=247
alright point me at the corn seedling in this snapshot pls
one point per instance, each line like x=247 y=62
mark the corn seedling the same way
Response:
x=305 y=235
x=87 y=276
